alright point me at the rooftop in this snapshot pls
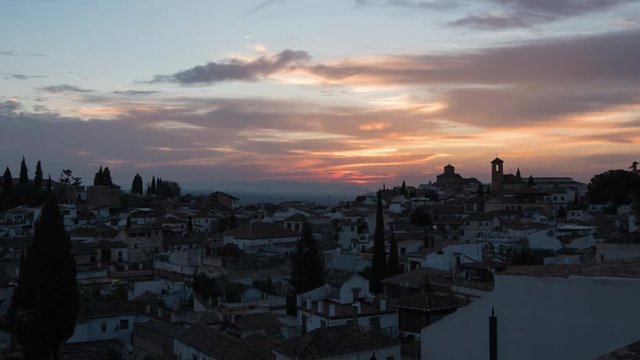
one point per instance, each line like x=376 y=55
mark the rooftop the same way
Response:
x=260 y=230
x=617 y=269
x=332 y=342
x=629 y=352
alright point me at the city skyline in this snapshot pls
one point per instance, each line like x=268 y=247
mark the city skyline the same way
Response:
x=342 y=92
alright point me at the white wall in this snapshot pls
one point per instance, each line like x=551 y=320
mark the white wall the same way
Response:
x=447 y=260
x=356 y=281
x=544 y=240
x=91 y=329
x=541 y=318
x=186 y=352
x=243 y=243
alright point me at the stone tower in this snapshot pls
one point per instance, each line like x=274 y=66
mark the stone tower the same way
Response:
x=496 y=174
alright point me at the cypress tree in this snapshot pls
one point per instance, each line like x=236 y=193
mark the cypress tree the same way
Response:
x=136 y=185
x=49 y=184
x=393 y=266
x=106 y=177
x=140 y=185
x=403 y=189
x=307 y=267
x=46 y=299
x=153 y=185
x=37 y=179
x=24 y=175
x=7 y=181
x=379 y=261
x=518 y=175
x=98 y=178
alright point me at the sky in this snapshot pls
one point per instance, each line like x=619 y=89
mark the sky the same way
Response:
x=319 y=95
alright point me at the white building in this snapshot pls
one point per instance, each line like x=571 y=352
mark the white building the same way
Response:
x=104 y=321
x=545 y=312
x=259 y=234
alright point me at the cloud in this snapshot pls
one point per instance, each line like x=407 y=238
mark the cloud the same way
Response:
x=412 y=4
x=610 y=56
x=14 y=53
x=22 y=76
x=526 y=13
x=10 y=106
x=65 y=88
x=237 y=69
x=135 y=92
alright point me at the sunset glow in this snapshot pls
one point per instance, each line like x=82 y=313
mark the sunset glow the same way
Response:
x=216 y=92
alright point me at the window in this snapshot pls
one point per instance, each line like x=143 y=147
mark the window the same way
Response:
x=103 y=327
x=124 y=324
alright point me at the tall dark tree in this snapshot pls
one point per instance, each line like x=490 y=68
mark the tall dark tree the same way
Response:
x=46 y=299
x=106 y=177
x=49 y=184
x=98 y=179
x=37 y=179
x=403 y=189
x=518 y=175
x=393 y=266
x=307 y=267
x=7 y=181
x=136 y=185
x=24 y=174
x=379 y=260
x=190 y=225
x=153 y=185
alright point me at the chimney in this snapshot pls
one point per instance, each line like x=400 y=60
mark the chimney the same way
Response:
x=493 y=335
x=309 y=303
x=320 y=306
x=332 y=310
x=383 y=304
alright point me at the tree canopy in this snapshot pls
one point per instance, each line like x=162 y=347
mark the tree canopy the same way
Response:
x=136 y=185
x=307 y=266
x=615 y=187
x=24 y=174
x=46 y=300
x=37 y=179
